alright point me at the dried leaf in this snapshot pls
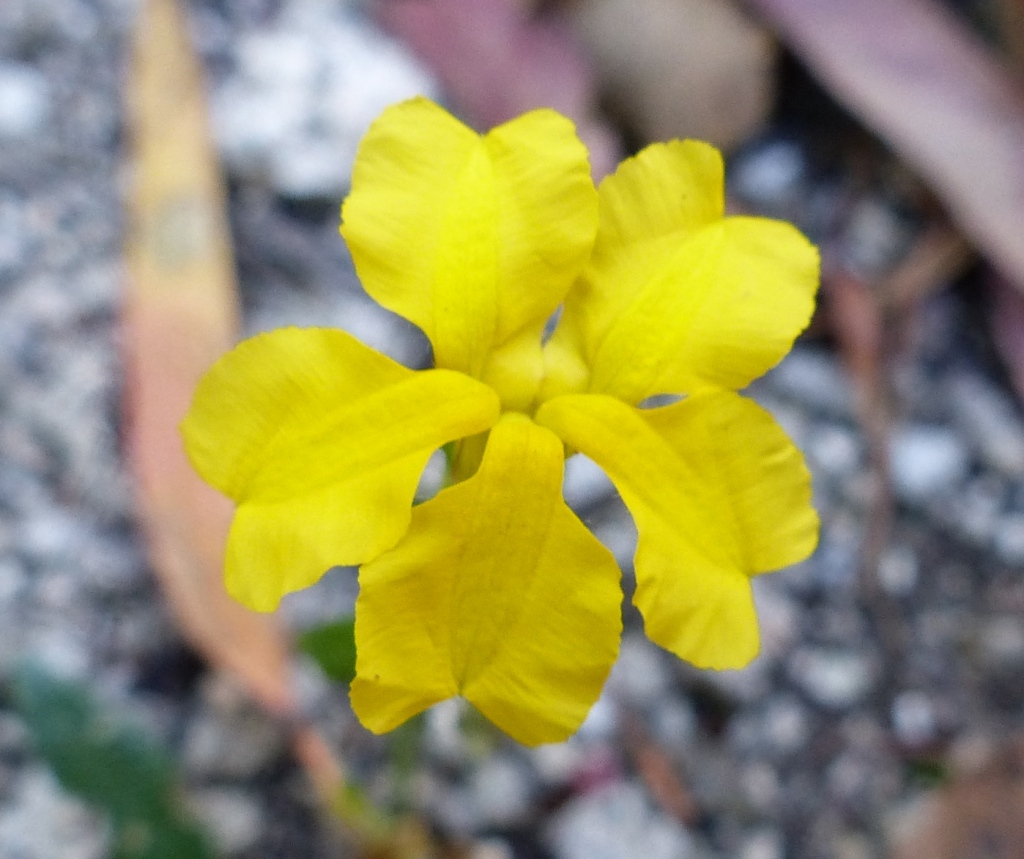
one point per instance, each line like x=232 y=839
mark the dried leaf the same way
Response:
x=180 y=315
x=497 y=59
x=664 y=783
x=978 y=814
x=680 y=68
x=918 y=77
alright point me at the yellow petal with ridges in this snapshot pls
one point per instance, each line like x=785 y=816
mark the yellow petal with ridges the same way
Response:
x=497 y=593
x=321 y=441
x=676 y=297
x=718 y=492
x=476 y=239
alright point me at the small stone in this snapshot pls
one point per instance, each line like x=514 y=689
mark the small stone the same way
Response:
x=898 y=570
x=835 y=450
x=1008 y=538
x=585 y=483
x=785 y=724
x=233 y=818
x=761 y=787
x=673 y=722
x=616 y=822
x=837 y=560
x=502 y=791
x=15 y=244
x=491 y=848
x=41 y=821
x=556 y=763
x=877 y=236
x=14 y=737
x=990 y=419
x=451 y=805
x=303 y=93
x=12 y=579
x=229 y=737
x=848 y=777
x=639 y=676
x=24 y=101
x=836 y=679
x=913 y=718
x=814 y=378
x=763 y=844
x=977 y=509
x=854 y=845
x=616 y=529
x=443 y=736
x=777 y=617
x=770 y=176
x=926 y=460
x=602 y=721
x=1002 y=641
x=433 y=477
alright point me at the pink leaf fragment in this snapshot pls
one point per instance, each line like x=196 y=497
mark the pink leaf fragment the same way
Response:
x=933 y=91
x=497 y=59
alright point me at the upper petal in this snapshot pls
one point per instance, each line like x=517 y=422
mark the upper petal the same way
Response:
x=321 y=441
x=718 y=492
x=497 y=592
x=473 y=238
x=676 y=297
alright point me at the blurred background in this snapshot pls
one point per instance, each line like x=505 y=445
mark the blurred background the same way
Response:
x=170 y=180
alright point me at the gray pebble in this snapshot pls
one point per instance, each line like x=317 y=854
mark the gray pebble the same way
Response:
x=914 y=718
x=835 y=679
x=232 y=817
x=815 y=379
x=926 y=460
x=1008 y=538
x=990 y=419
x=303 y=93
x=41 y=821
x=24 y=101
x=502 y=791
x=763 y=844
x=585 y=483
x=898 y=570
x=616 y=822
x=229 y=737
x=639 y=678
x=770 y=176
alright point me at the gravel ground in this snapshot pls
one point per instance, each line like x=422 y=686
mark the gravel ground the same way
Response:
x=819 y=749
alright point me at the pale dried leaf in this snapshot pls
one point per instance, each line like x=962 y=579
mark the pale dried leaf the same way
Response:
x=180 y=315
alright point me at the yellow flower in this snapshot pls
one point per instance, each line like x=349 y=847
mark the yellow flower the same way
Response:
x=494 y=590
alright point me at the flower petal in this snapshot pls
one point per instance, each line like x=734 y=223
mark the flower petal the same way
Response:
x=718 y=492
x=498 y=593
x=476 y=239
x=321 y=441
x=676 y=297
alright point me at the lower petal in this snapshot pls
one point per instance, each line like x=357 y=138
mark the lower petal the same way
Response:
x=277 y=548
x=498 y=593
x=719 y=494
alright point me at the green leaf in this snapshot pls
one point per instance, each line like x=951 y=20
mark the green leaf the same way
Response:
x=108 y=765
x=333 y=646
